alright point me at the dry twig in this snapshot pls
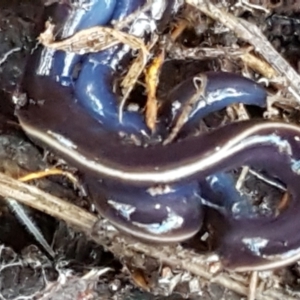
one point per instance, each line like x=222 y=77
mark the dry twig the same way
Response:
x=200 y=82
x=94 y=39
x=202 y=53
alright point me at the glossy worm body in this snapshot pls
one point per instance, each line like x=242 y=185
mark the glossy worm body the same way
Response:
x=148 y=189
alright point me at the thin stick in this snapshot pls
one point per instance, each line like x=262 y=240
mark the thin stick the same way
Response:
x=253 y=285
x=53 y=206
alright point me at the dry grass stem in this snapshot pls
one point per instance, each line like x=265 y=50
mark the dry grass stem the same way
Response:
x=91 y=40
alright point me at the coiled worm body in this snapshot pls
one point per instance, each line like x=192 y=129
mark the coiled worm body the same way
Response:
x=152 y=190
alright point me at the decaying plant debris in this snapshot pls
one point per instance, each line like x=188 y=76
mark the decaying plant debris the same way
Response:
x=94 y=261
